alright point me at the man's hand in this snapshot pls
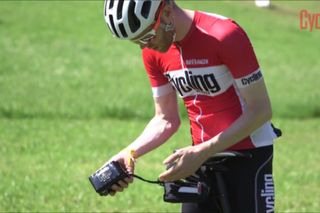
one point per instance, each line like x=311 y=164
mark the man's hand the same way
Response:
x=125 y=158
x=184 y=162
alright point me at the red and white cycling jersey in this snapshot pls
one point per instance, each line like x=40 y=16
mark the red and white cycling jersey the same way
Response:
x=206 y=69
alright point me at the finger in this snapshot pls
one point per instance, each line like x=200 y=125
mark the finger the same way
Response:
x=117 y=188
x=112 y=193
x=172 y=158
x=130 y=168
x=165 y=176
x=123 y=184
x=170 y=165
x=168 y=175
x=129 y=179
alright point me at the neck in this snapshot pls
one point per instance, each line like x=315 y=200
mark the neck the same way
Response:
x=183 y=21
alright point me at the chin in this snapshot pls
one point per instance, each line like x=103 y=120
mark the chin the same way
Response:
x=163 y=49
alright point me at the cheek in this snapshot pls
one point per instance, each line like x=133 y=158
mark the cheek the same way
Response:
x=162 y=41
x=168 y=39
x=165 y=38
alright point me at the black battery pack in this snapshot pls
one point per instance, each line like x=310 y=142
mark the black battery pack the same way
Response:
x=104 y=178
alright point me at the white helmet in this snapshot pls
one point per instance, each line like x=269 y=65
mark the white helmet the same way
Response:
x=127 y=19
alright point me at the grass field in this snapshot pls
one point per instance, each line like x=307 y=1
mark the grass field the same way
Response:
x=71 y=96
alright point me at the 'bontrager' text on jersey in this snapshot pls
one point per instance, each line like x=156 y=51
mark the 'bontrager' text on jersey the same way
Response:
x=206 y=69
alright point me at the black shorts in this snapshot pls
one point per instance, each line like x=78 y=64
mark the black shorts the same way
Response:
x=249 y=185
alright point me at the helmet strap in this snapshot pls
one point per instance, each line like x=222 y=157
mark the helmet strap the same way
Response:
x=174 y=37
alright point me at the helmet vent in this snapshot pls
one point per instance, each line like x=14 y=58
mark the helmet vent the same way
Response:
x=111 y=4
x=145 y=10
x=123 y=31
x=112 y=25
x=119 y=9
x=134 y=22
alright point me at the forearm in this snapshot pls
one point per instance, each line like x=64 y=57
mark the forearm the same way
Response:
x=158 y=130
x=248 y=122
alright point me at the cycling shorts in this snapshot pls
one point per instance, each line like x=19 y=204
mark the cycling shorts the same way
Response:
x=248 y=182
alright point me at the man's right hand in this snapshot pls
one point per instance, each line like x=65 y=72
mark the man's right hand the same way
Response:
x=125 y=158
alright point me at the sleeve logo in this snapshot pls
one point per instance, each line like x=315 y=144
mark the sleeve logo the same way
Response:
x=249 y=79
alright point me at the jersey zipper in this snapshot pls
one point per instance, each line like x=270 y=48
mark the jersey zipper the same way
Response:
x=196 y=96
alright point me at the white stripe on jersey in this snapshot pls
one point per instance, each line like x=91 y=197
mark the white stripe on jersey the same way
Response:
x=198 y=117
x=162 y=90
x=263 y=136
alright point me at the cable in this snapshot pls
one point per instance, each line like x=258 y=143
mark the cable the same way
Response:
x=161 y=183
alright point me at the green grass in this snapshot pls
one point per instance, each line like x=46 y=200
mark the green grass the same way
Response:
x=45 y=165
x=71 y=96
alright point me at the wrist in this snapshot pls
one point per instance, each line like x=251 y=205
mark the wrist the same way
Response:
x=209 y=148
x=130 y=156
x=203 y=151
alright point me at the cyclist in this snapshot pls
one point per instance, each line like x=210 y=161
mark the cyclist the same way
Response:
x=208 y=61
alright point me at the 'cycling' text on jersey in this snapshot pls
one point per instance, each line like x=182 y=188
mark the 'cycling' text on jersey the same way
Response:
x=209 y=81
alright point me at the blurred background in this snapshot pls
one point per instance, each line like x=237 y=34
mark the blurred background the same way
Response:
x=72 y=96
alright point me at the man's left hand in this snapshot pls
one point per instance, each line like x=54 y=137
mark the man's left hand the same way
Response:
x=185 y=162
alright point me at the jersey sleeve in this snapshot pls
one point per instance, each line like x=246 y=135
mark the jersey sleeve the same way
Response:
x=237 y=54
x=159 y=83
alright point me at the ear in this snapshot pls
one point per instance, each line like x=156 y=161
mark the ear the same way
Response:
x=167 y=13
